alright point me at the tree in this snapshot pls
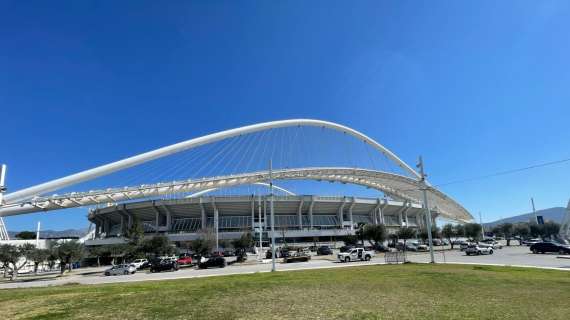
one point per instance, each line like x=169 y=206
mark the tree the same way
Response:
x=38 y=256
x=136 y=231
x=448 y=232
x=242 y=244
x=406 y=233
x=158 y=245
x=536 y=230
x=205 y=242
x=374 y=233
x=11 y=255
x=424 y=236
x=359 y=233
x=506 y=229
x=459 y=231
x=350 y=240
x=551 y=229
x=68 y=252
x=521 y=230
x=473 y=231
x=26 y=235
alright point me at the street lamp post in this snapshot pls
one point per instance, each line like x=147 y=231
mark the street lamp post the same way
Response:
x=273 y=253
x=424 y=188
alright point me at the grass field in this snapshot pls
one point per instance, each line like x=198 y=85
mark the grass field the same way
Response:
x=369 y=292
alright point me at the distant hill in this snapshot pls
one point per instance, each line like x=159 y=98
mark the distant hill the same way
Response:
x=555 y=214
x=55 y=234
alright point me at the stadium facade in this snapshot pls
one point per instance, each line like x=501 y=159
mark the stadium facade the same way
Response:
x=297 y=218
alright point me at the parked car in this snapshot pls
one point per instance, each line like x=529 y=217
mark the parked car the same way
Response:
x=422 y=247
x=346 y=248
x=212 y=262
x=492 y=242
x=324 y=251
x=463 y=245
x=357 y=254
x=184 y=260
x=159 y=265
x=475 y=249
x=121 y=269
x=279 y=253
x=437 y=242
x=530 y=242
x=298 y=256
x=140 y=263
x=409 y=246
x=380 y=248
x=543 y=247
x=229 y=253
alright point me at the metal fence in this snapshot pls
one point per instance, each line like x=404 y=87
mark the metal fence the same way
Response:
x=395 y=257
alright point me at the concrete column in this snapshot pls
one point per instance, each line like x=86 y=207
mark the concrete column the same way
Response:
x=217 y=226
x=106 y=226
x=300 y=215
x=340 y=213
x=400 y=220
x=203 y=214
x=350 y=214
x=311 y=211
x=168 y=218
x=252 y=213
x=122 y=226
x=381 y=211
x=374 y=212
x=157 y=216
x=265 y=214
x=97 y=228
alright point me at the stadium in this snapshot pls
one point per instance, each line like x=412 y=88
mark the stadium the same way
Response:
x=177 y=205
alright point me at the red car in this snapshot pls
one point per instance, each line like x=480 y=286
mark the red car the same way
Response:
x=182 y=261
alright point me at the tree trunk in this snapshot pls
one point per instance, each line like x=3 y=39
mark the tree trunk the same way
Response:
x=98 y=262
x=36 y=268
x=62 y=267
x=14 y=273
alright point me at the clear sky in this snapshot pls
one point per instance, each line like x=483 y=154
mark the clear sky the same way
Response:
x=475 y=87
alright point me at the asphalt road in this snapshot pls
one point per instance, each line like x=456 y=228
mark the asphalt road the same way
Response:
x=512 y=256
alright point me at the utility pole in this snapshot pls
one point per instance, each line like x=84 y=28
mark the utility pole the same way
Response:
x=273 y=253
x=3 y=231
x=259 y=227
x=424 y=187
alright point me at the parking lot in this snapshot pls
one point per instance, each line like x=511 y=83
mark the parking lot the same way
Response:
x=512 y=256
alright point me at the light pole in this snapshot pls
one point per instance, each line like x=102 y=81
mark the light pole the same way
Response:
x=273 y=253
x=424 y=188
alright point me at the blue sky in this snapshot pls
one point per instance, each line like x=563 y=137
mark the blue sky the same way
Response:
x=474 y=87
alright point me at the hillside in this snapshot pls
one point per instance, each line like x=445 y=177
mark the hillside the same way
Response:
x=555 y=214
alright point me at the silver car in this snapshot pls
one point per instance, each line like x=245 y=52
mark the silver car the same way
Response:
x=121 y=269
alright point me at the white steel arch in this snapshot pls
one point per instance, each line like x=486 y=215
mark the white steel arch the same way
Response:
x=28 y=193
x=199 y=193
x=397 y=186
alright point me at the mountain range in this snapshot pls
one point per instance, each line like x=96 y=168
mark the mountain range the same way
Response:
x=69 y=233
x=555 y=214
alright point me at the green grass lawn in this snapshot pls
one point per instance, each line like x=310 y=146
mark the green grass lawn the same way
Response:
x=409 y=291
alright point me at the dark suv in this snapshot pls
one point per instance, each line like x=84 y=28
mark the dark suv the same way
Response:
x=542 y=247
x=324 y=251
x=159 y=265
